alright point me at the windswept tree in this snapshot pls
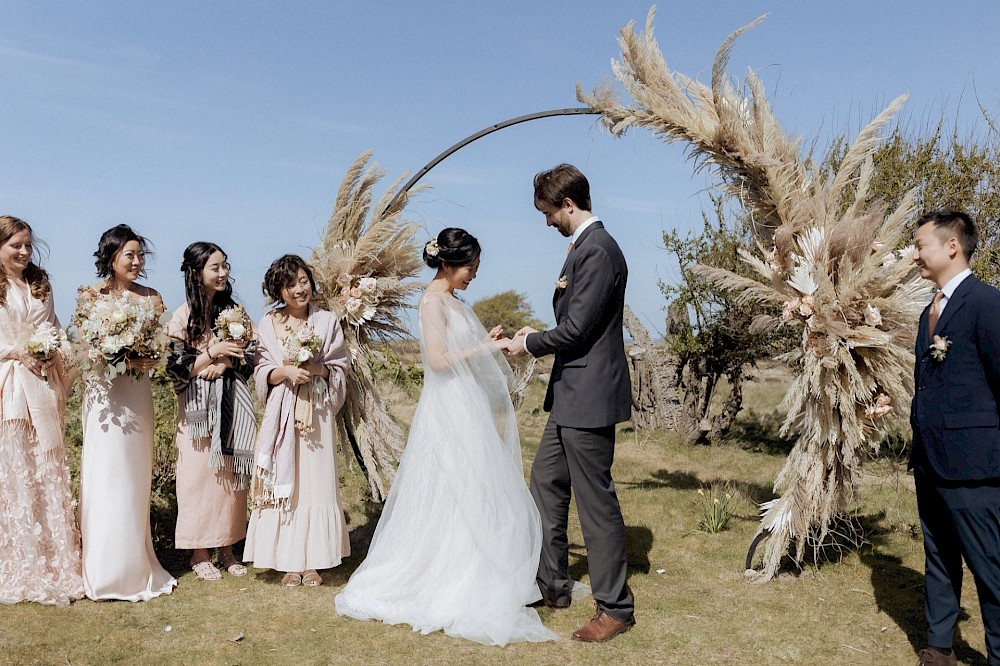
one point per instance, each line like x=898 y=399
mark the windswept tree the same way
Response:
x=709 y=332
x=509 y=309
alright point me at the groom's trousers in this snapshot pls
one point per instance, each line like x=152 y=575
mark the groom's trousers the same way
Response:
x=579 y=460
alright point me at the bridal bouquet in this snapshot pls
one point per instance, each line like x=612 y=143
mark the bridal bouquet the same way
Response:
x=116 y=329
x=301 y=346
x=233 y=324
x=42 y=342
x=358 y=299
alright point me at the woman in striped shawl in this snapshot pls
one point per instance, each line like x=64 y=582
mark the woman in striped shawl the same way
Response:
x=210 y=361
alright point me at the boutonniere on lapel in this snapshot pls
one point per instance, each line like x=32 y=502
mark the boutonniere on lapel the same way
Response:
x=562 y=283
x=939 y=348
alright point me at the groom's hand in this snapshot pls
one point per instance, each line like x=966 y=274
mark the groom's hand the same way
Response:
x=517 y=348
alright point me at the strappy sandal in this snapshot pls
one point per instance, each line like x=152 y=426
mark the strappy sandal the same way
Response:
x=312 y=578
x=291 y=579
x=205 y=570
x=233 y=566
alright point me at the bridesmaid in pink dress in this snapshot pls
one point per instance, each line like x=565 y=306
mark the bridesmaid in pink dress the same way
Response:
x=216 y=422
x=39 y=543
x=117 y=466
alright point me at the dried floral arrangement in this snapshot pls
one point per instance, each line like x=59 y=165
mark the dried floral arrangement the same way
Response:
x=826 y=262
x=364 y=266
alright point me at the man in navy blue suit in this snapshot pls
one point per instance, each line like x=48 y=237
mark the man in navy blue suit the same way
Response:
x=956 y=432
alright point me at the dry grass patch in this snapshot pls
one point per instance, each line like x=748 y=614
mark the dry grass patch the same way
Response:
x=864 y=608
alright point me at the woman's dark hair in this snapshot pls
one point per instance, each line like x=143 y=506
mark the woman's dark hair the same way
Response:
x=282 y=273
x=34 y=275
x=111 y=243
x=453 y=246
x=203 y=312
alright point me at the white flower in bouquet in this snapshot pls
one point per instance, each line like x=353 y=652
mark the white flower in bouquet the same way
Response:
x=236 y=331
x=116 y=329
x=302 y=345
x=233 y=324
x=44 y=341
x=368 y=285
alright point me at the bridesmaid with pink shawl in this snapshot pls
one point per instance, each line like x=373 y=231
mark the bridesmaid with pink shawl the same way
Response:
x=39 y=542
x=297 y=524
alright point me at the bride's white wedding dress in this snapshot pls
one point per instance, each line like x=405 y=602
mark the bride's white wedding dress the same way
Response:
x=457 y=545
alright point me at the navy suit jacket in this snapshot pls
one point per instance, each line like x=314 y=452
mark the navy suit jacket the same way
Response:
x=589 y=386
x=955 y=412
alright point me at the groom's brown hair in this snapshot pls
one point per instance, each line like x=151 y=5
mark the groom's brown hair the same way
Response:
x=562 y=182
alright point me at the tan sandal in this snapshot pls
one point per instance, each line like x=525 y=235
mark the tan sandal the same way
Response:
x=312 y=578
x=205 y=570
x=291 y=579
x=233 y=566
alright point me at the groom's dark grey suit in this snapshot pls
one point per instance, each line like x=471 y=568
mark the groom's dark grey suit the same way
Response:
x=589 y=392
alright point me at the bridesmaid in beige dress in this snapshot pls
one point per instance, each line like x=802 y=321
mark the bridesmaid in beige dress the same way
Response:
x=117 y=466
x=39 y=543
x=297 y=524
x=216 y=423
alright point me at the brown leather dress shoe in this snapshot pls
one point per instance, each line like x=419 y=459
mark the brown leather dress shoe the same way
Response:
x=602 y=627
x=930 y=656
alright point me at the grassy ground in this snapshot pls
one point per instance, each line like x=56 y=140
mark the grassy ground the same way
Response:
x=693 y=606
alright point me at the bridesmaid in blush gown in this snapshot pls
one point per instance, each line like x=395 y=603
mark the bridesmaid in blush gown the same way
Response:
x=116 y=471
x=39 y=543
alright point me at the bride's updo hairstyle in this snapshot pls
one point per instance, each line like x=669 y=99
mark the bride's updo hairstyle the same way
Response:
x=453 y=246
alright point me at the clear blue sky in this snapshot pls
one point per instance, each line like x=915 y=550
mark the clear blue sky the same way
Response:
x=234 y=122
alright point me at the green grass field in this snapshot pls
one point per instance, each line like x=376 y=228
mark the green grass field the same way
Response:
x=849 y=605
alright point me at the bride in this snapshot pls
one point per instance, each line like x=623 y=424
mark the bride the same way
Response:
x=457 y=546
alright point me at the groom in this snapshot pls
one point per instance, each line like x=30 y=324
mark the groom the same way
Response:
x=589 y=392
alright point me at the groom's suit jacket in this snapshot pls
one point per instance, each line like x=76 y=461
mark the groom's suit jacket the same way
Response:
x=955 y=412
x=589 y=386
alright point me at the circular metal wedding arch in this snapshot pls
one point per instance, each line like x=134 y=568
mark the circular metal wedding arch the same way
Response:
x=575 y=111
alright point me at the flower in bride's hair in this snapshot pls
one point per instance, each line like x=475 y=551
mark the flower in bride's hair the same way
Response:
x=432 y=248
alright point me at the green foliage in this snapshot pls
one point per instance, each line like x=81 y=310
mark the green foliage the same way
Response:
x=717 y=506
x=719 y=337
x=391 y=369
x=949 y=172
x=509 y=309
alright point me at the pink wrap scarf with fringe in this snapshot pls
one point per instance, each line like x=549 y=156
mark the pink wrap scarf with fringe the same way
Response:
x=274 y=460
x=25 y=398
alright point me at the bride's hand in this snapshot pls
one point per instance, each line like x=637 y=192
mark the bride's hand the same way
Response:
x=496 y=332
